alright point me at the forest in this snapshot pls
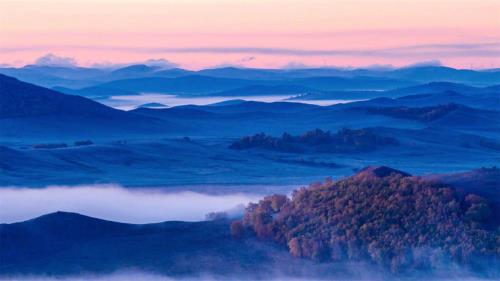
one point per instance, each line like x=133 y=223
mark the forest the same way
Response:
x=389 y=218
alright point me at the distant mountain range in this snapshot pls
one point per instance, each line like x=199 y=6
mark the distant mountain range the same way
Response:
x=433 y=88
x=197 y=85
x=27 y=109
x=95 y=80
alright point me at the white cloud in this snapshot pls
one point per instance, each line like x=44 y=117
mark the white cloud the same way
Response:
x=160 y=63
x=53 y=60
x=296 y=65
x=163 y=63
x=426 y=63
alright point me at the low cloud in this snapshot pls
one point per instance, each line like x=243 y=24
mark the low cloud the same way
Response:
x=115 y=203
x=296 y=65
x=160 y=63
x=239 y=63
x=426 y=63
x=141 y=276
x=163 y=63
x=132 y=276
x=53 y=60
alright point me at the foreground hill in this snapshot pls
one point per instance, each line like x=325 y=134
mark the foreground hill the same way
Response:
x=63 y=243
x=30 y=110
x=383 y=215
x=378 y=221
x=484 y=182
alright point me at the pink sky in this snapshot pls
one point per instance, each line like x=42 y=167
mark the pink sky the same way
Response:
x=253 y=33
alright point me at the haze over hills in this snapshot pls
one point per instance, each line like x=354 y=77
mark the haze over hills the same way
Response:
x=345 y=79
x=34 y=117
x=414 y=73
x=218 y=86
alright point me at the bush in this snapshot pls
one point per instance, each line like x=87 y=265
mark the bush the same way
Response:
x=49 y=145
x=84 y=142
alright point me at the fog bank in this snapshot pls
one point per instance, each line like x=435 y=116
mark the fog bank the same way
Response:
x=115 y=203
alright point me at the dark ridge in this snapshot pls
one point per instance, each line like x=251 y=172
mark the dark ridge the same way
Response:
x=174 y=112
x=20 y=99
x=484 y=182
x=260 y=90
x=425 y=114
x=133 y=69
x=152 y=105
x=380 y=172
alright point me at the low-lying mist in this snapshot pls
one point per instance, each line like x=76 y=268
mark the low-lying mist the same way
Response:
x=116 y=203
x=140 y=276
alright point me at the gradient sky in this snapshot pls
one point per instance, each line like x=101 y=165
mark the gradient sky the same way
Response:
x=253 y=33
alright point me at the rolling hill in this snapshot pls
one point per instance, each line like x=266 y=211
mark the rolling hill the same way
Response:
x=63 y=243
x=31 y=111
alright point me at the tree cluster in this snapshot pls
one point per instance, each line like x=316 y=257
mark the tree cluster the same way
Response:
x=344 y=141
x=397 y=221
x=425 y=114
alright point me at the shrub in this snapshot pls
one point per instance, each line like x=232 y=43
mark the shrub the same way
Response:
x=49 y=145
x=83 y=142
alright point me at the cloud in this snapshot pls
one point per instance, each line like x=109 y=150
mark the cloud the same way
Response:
x=53 y=60
x=426 y=63
x=239 y=63
x=247 y=59
x=163 y=63
x=491 y=49
x=297 y=65
x=115 y=203
x=436 y=50
x=160 y=63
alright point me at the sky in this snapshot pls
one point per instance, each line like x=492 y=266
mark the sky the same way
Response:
x=197 y=34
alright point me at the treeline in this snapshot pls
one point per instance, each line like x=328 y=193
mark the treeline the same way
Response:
x=424 y=114
x=344 y=141
x=394 y=220
x=60 y=145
